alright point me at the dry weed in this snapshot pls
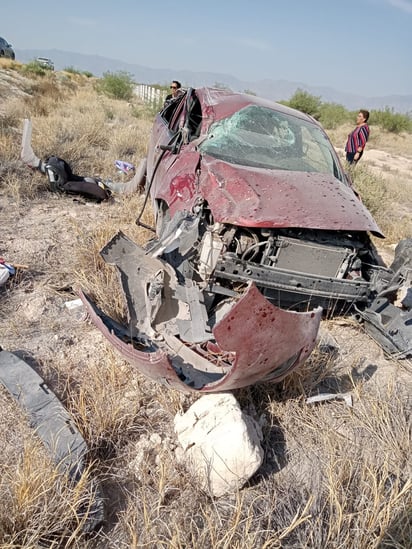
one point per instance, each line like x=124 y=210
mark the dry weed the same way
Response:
x=39 y=505
x=387 y=199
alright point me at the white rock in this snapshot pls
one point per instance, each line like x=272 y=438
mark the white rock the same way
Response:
x=221 y=444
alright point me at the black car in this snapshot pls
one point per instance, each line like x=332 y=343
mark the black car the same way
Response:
x=6 y=49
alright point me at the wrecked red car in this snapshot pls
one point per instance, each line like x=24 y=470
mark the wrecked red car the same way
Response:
x=259 y=234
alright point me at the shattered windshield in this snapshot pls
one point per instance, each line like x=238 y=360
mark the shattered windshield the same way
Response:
x=263 y=138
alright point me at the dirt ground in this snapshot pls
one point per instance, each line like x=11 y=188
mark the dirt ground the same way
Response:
x=391 y=165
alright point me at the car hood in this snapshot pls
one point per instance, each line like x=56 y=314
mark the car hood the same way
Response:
x=258 y=197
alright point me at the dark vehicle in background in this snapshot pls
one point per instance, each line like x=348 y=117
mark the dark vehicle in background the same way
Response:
x=260 y=233
x=6 y=49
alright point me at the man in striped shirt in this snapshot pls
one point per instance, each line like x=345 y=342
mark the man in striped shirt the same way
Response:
x=356 y=142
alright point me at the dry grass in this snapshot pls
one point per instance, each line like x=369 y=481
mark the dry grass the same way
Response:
x=38 y=504
x=333 y=476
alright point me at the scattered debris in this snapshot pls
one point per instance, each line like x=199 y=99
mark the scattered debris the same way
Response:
x=75 y=306
x=124 y=167
x=6 y=270
x=347 y=397
x=221 y=444
x=135 y=184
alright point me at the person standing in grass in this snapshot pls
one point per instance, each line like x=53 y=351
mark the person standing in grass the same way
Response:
x=357 y=139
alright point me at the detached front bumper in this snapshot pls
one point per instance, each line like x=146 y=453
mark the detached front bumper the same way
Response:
x=252 y=341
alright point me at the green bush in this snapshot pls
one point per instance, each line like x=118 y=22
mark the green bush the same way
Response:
x=118 y=85
x=333 y=115
x=34 y=68
x=391 y=121
x=72 y=70
x=305 y=102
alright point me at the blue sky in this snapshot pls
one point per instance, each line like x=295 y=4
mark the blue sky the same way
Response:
x=362 y=46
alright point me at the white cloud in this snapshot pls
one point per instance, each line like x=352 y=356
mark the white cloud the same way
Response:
x=404 y=5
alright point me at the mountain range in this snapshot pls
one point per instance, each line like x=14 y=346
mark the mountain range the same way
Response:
x=271 y=89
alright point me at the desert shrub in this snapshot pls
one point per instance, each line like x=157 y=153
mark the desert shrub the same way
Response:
x=34 y=68
x=372 y=189
x=392 y=121
x=146 y=111
x=333 y=115
x=119 y=85
x=72 y=70
x=305 y=102
x=47 y=87
x=11 y=116
x=44 y=96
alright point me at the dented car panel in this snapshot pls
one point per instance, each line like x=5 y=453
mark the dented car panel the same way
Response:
x=251 y=341
x=178 y=181
x=253 y=197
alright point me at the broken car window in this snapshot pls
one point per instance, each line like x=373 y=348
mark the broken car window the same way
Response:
x=260 y=137
x=171 y=108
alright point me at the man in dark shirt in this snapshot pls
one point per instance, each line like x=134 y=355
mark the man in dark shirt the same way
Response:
x=174 y=86
x=357 y=139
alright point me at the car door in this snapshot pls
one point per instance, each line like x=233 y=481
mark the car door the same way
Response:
x=173 y=159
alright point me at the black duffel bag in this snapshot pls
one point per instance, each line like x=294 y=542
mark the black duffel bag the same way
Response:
x=62 y=179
